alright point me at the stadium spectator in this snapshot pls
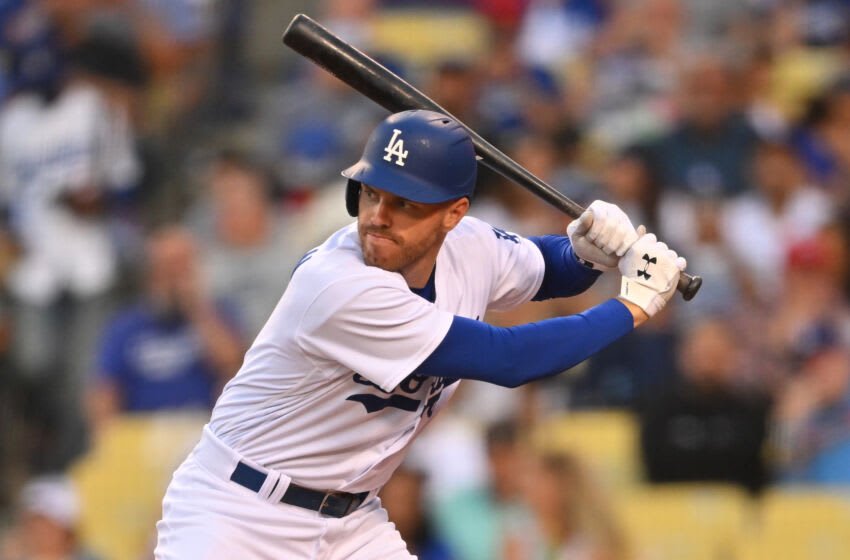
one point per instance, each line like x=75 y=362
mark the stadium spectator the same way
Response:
x=454 y=85
x=47 y=524
x=836 y=241
x=727 y=285
x=175 y=348
x=501 y=91
x=705 y=428
x=813 y=303
x=708 y=151
x=67 y=153
x=473 y=520
x=10 y=416
x=310 y=137
x=554 y=33
x=630 y=181
x=176 y=37
x=811 y=429
x=822 y=139
x=351 y=19
x=247 y=245
x=781 y=210
x=762 y=109
x=627 y=84
x=568 y=517
x=403 y=498
x=514 y=207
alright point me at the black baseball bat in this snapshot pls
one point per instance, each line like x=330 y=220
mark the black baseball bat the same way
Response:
x=388 y=90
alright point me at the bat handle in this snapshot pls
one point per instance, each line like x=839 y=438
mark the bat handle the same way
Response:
x=689 y=285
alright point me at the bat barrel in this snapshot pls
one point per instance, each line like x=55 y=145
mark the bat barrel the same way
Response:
x=311 y=40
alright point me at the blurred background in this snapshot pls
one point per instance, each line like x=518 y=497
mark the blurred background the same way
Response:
x=165 y=163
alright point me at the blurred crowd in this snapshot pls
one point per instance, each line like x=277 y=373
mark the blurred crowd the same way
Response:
x=161 y=175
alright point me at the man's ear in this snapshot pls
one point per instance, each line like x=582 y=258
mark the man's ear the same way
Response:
x=456 y=211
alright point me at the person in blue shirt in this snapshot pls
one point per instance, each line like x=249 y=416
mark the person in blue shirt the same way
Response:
x=811 y=428
x=175 y=348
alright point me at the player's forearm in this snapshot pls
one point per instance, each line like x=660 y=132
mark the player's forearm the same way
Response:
x=564 y=275
x=516 y=355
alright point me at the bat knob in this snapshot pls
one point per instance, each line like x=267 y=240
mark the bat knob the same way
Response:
x=689 y=286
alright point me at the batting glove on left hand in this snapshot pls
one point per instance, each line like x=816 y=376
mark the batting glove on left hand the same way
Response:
x=650 y=272
x=601 y=235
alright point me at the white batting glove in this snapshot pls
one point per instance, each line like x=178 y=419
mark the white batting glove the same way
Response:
x=601 y=235
x=650 y=272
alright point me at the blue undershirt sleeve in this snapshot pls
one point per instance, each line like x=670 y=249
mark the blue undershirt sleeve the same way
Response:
x=564 y=275
x=513 y=356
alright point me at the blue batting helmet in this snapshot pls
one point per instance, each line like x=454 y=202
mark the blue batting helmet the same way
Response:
x=419 y=155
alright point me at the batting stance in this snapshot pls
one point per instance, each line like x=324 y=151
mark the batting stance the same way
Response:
x=369 y=341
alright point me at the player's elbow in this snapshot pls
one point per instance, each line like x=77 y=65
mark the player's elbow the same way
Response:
x=510 y=373
x=518 y=376
x=514 y=383
x=510 y=378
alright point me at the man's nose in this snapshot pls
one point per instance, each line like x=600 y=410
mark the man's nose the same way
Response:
x=382 y=215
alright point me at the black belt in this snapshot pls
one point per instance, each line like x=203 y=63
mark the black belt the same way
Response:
x=334 y=504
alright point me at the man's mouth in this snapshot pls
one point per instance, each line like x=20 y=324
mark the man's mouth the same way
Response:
x=380 y=236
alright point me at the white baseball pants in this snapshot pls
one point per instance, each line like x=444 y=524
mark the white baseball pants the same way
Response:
x=206 y=516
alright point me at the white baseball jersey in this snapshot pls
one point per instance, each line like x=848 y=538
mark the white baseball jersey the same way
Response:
x=326 y=393
x=47 y=150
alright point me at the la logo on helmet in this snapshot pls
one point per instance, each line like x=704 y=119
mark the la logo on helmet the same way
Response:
x=395 y=147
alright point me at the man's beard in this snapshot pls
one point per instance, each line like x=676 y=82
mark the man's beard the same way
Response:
x=401 y=256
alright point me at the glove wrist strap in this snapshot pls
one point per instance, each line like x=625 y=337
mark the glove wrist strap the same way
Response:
x=643 y=296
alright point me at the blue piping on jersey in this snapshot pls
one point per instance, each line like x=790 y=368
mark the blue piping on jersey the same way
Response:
x=429 y=290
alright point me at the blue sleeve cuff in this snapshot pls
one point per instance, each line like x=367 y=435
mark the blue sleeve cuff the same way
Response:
x=516 y=355
x=564 y=276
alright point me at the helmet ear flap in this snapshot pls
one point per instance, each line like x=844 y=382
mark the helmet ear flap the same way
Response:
x=352 y=197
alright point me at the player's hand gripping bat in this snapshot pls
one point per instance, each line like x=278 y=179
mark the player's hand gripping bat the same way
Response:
x=364 y=74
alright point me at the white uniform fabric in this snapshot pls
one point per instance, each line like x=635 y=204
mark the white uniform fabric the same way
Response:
x=325 y=395
x=205 y=517
x=46 y=151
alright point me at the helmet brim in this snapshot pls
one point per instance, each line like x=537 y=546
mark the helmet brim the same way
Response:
x=399 y=183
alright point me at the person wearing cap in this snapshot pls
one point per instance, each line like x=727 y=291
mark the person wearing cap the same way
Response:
x=368 y=342
x=47 y=528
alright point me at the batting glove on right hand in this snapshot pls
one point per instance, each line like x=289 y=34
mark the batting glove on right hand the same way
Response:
x=650 y=272
x=601 y=235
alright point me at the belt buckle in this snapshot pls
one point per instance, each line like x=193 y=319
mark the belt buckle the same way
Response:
x=325 y=503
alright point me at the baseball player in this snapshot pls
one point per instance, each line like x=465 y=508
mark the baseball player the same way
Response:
x=368 y=343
